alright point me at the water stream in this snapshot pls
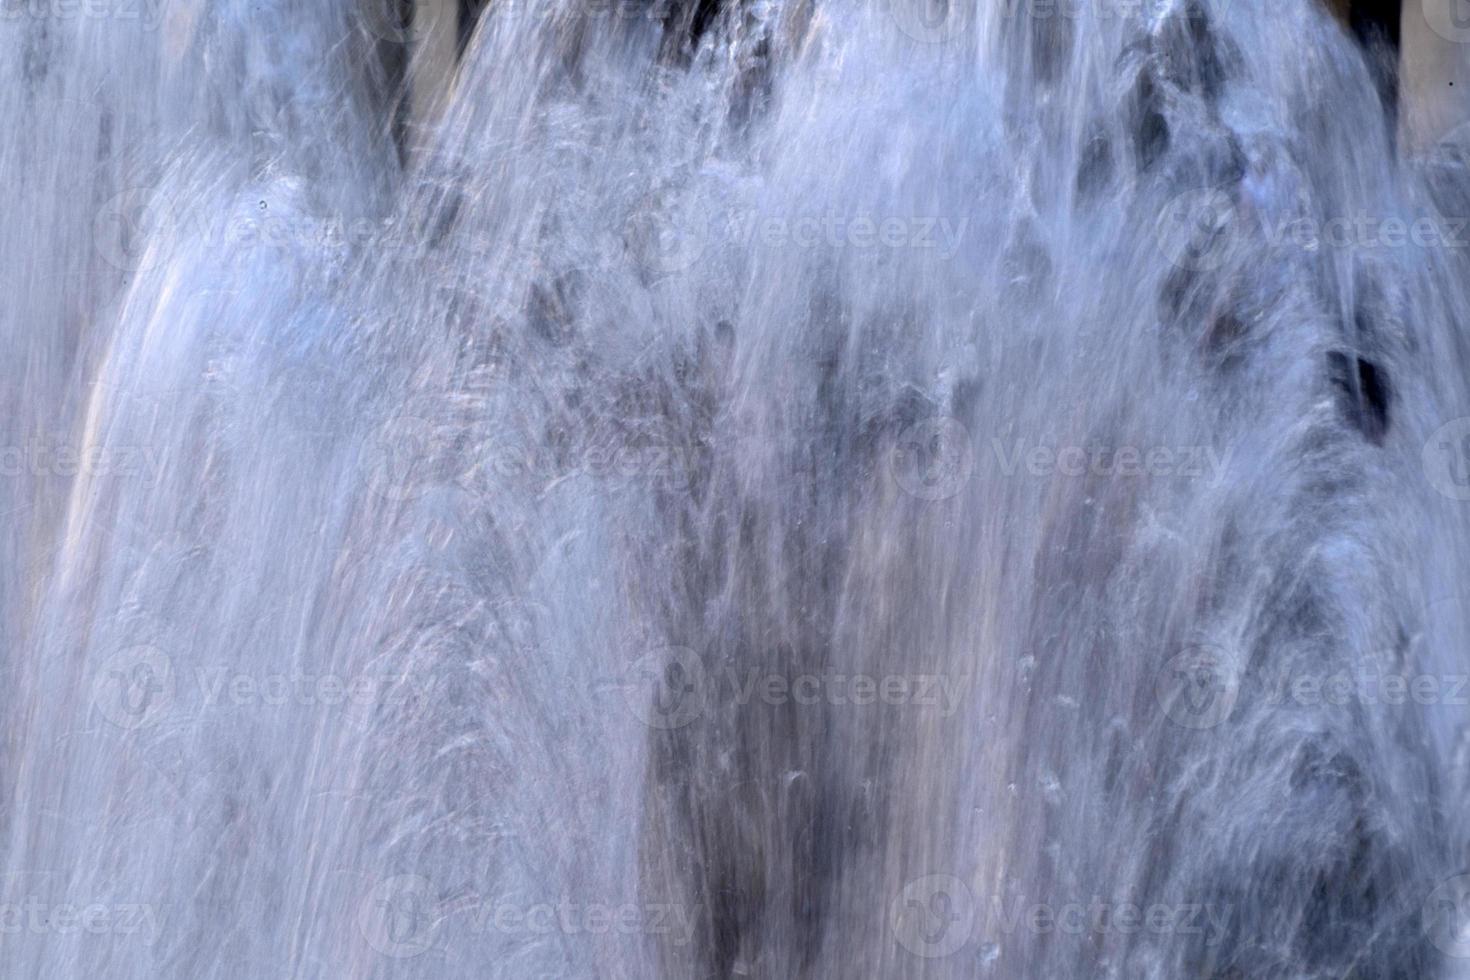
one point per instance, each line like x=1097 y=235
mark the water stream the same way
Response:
x=780 y=489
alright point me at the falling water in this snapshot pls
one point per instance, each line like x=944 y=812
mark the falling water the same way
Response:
x=772 y=489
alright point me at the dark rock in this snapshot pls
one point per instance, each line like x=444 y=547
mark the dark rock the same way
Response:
x=1149 y=128
x=1094 y=166
x=1364 y=392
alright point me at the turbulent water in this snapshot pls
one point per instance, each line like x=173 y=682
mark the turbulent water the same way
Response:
x=775 y=489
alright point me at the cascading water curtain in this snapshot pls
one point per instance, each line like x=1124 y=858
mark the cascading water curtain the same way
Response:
x=732 y=488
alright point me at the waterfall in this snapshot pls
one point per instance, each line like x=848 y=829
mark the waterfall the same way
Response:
x=768 y=488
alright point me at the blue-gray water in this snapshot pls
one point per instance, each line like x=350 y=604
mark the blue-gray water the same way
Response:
x=857 y=489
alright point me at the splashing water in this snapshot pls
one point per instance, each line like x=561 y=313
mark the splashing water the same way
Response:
x=776 y=489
